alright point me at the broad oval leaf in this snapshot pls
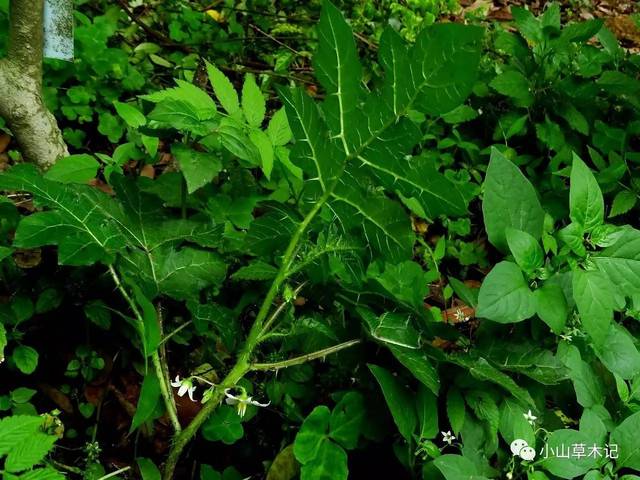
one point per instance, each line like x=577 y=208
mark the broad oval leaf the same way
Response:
x=509 y=201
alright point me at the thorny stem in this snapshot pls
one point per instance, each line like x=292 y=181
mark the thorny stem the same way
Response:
x=278 y=311
x=159 y=368
x=304 y=358
x=243 y=363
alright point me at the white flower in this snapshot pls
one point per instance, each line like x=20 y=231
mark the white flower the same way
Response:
x=448 y=437
x=242 y=401
x=530 y=417
x=460 y=316
x=509 y=475
x=184 y=386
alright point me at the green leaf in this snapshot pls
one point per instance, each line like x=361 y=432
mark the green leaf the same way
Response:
x=398 y=398
x=74 y=169
x=185 y=107
x=392 y=328
x=551 y=306
x=528 y=25
x=505 y=296
x=384 y=222
x=198 y=168
x=419 y=365
x=588 y=387
x=3 y=341
x=15 y=429
x=81 y=224
x=224 y=425
x=330 y=463
x=406 y=282
x=278 y=129
x=181 y=274
x=148 y=469
x=346 y=420
x=448 y=56
x=626 y=437
x=26 y=359
x=574 y=118
x=525 y=249
x=509 y=201
x=312 y=434
x=361 y=133
x=481 y=369
x=455 y=409
x=427 y=408
x=265 y=149
x=620 y=263
x=130 y=114
x=284 y=466
x=257 y=270
x=147 y=401
x=48 y=300
x=223 y=88
x=46 y=473
x=151 y=335
x=550 y=19
x=28 y=452
x=457 y=467
x=515 y=85
x=234 y=139
x=253 y=103
x=573 y=466
x=594 y=299
x=619 y=353
x=581 y=31
x=585 y=197
x=624 y=201
x=551 y=134
x=271 y=232
x=618 y=83
x=339 y=71
x=513 y=425
x=461 y=114
x=22 y=395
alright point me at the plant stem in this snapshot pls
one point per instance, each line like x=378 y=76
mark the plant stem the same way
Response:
x=304 y=358
x=113 y=474
x=183 y=438
x=242 y=366
x=167 y=394
x=278 y=311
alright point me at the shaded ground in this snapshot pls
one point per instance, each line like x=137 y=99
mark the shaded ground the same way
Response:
x=621 y=16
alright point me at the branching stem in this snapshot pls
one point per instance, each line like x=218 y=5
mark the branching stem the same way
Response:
x=304 y=358
x=159 y=368
x=243 y=363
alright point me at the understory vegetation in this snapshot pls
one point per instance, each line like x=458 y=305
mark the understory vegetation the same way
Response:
x=325 y=241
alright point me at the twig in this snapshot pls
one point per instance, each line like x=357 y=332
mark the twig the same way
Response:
x=304 y=358
x=271 y=37
x=154 y=33
x=279 y=310
x=113 y=474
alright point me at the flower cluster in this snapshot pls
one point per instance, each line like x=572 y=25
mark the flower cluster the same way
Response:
x=241 y=401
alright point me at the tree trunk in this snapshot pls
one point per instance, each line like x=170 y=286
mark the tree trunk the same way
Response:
x=21 y=103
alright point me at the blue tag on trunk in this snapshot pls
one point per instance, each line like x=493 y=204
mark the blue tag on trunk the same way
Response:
x=58 y=29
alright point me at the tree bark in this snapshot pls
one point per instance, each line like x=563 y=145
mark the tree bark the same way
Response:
x=21 y=103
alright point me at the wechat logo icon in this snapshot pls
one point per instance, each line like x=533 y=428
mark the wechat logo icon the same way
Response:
x=522 y=449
